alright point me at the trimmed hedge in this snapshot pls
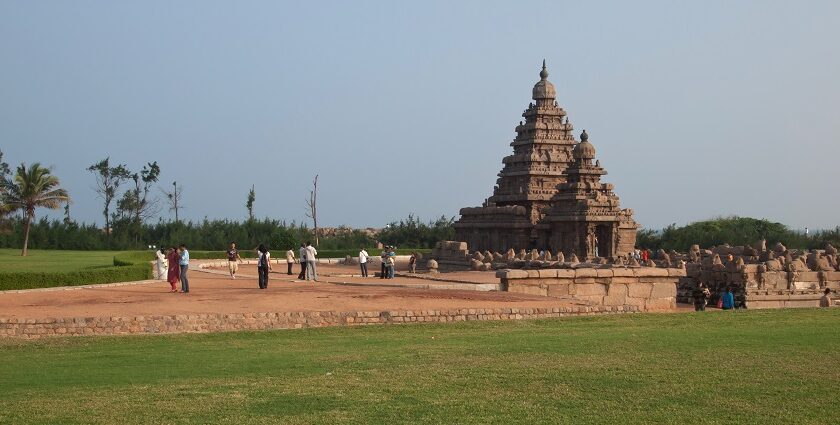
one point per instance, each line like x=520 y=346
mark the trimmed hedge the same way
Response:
x=23 y=280
x=132 y=258
x=129 y=266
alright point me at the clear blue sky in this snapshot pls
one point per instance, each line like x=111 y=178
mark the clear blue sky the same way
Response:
x=696 y=110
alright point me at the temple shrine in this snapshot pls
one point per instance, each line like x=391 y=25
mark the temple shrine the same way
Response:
x=549 y=193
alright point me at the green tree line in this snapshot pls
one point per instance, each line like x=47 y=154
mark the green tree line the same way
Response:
x=216 y=234
x=734 y=231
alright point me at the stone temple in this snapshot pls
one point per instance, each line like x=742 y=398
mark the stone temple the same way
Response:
x=549 y=194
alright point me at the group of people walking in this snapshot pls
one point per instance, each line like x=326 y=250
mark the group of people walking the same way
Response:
x=308 y=262
x=173 y=264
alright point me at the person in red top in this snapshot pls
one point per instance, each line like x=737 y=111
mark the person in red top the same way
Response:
x=174 y=274
x=645 y=254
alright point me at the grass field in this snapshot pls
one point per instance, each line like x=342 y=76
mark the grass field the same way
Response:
x=759 y=367
x=40 y=260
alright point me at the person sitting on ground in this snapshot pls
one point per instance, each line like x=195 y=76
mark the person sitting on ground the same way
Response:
x=290 y=260
x=825 y=300
x=728 y=299
x=233 y=260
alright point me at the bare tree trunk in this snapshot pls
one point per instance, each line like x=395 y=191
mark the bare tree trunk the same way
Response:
x=107 y=223
x=312 y=203
x=26 y=236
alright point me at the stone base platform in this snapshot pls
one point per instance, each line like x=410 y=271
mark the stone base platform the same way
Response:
x=218 y=303
x=197 y=323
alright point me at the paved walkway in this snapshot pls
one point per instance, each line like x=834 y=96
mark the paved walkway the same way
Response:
x=213 y=291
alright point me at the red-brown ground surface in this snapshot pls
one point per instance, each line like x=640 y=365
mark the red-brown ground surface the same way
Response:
x=215 y=292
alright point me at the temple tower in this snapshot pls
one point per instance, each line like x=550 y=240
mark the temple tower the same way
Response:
x=548 y=193
x=542 y=150
x=585 y=217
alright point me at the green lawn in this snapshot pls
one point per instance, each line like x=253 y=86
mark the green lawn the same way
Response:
x=759 y=367
x=40 y=260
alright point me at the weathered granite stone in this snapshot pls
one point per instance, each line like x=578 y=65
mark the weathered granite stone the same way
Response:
x=488 y=257
x=510 y=255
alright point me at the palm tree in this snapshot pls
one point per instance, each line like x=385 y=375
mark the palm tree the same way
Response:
x=33 y=188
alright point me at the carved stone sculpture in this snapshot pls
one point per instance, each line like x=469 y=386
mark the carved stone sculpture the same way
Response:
x=510 y=255
x=761 y=275
x=488 y=257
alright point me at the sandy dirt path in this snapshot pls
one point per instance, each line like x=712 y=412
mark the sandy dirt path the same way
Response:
x=215 y=292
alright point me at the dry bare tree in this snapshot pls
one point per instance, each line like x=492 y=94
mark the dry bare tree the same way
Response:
x=174 y=199
x=312 y=204
x=108 y=181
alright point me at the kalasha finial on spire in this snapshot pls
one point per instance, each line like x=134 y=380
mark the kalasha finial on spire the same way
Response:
x=544 y=72
x=583 y=136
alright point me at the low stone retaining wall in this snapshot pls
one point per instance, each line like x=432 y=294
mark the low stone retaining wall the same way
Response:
x=766 y=289
x=787 y=299
x=648 y=289
x=197 y=323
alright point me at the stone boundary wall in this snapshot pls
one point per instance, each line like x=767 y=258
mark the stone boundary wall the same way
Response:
x=647 y=288
x=220 y=322
x=770 y=289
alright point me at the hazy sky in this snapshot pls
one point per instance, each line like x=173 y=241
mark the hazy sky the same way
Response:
x=696 y=110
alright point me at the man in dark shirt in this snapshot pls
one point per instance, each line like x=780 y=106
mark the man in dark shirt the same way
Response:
x=233 y=260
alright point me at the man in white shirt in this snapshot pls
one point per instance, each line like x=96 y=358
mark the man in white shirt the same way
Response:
x=363 y=260
x=290 y=260
x=311 y=272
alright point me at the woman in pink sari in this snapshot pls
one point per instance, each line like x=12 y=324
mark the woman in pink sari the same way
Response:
x=174 y=274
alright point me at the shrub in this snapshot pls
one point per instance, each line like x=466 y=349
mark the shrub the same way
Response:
x=734 y=231
x=128 y=266
x=30 y=280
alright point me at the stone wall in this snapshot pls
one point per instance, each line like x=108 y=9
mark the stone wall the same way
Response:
x=451 y=256
x=761 y=288
x=647 y=288
x=198 y=323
